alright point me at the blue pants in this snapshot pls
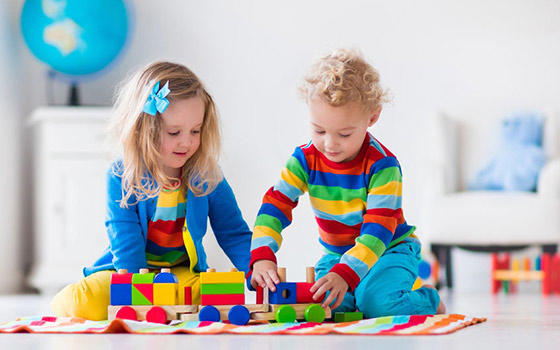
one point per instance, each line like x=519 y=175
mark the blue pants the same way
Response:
x=386 y=289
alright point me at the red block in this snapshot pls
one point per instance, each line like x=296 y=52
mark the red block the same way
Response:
x=121 y=278
x=223 y=299
x=260 y=298
x=188 y=295
x=147 y=290
x=303 y=295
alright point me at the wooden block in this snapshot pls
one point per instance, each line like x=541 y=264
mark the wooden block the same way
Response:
x=172 y=311
x=165 y=293
x=303 y=295
x=222 y=277
x=121 y=278
x=189 y=317
x=259 y=295
x=121 y=294
x=223 y=299
x=285 y=293
x=310 y=274
x=222 y=288
x=282 y=274
x=142 y=294
x=267 y=316
x=165 y=277
x=188 y=295
x=265 y=296
x=143 y=278
x=348 y=316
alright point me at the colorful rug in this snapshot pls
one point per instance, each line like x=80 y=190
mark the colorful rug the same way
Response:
x=388 y=325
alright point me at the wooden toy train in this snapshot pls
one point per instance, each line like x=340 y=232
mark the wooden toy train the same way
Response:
x=154 y=298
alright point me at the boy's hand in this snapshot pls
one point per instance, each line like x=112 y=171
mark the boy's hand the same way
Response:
x=330 y=282
x=265 y=274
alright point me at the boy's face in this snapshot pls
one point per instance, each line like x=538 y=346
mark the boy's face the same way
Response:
x=180 y=133
x=338 y=132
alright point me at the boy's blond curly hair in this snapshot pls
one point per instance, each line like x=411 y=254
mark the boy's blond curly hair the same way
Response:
x=341 y=77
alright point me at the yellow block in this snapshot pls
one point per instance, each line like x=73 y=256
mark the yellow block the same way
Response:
x=222 y=277
x=165 y=293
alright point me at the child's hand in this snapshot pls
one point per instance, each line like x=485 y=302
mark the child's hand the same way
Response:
x=265 y=274
x=330 y=282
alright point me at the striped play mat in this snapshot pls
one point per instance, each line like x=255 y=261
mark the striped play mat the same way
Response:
x=388 y=325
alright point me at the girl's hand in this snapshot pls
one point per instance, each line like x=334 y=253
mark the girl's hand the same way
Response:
x=265 y=274
x=330 y=282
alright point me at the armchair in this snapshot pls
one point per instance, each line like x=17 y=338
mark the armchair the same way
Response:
x=486 y=220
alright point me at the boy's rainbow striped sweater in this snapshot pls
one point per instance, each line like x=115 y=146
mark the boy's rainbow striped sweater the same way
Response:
x=357 y=206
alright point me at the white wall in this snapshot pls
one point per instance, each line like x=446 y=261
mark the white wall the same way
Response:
x=11 y=144
x=433 y=54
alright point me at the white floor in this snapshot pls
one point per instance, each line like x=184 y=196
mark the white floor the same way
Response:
x=528 y=321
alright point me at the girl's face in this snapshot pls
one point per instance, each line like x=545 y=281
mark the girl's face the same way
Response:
x=339 y=132
x=180 y=133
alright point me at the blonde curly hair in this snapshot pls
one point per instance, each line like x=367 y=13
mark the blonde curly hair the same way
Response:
x=344 y=76
x=139 y=135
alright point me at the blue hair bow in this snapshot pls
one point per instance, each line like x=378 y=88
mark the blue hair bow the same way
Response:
x=156 y=101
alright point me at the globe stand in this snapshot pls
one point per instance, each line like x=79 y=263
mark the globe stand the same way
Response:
x=74 y=98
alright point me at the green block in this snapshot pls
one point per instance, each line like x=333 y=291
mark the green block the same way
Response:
x=143 y=278
x=138 y=298
x=314 y=313
x=348 y=316
x=222 y=288
x=285 y=314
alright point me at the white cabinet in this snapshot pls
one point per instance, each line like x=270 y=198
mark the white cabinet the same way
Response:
x=71 y=156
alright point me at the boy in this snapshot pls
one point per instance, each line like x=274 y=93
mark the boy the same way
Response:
x=354 y=184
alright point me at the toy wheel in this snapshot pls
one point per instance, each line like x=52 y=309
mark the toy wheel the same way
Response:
x=239 y=315
x=126 y=313
x=209 y=313
x=156 y=315
x=285 y=314
x=314 y=313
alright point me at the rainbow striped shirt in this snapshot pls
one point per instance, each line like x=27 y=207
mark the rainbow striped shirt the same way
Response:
x=165 y=245
x=357 y=205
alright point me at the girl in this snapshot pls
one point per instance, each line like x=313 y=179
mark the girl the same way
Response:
x=163 y=190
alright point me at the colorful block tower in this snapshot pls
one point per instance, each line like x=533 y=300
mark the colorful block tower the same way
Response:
x=143 y=288
x=222 y=288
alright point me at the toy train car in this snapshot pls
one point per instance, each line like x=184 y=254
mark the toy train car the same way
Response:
x=154 y=298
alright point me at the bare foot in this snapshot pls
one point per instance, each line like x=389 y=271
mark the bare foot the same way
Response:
x=441 y=309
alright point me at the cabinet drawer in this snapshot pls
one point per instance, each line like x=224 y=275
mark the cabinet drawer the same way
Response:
x=78 y=137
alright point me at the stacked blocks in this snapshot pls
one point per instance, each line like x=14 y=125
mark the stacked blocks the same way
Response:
x=143 y=288
x=222 y=288
x=121 y=288
x=165 y=289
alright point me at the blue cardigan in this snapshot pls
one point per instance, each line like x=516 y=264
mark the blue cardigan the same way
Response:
x=127 y=228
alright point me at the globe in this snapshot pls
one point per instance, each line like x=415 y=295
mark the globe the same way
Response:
x=75 y=37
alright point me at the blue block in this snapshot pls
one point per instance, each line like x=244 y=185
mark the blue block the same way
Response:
x=286 y=293
x=121 y=294
x=165 y=277
x=239 y=315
